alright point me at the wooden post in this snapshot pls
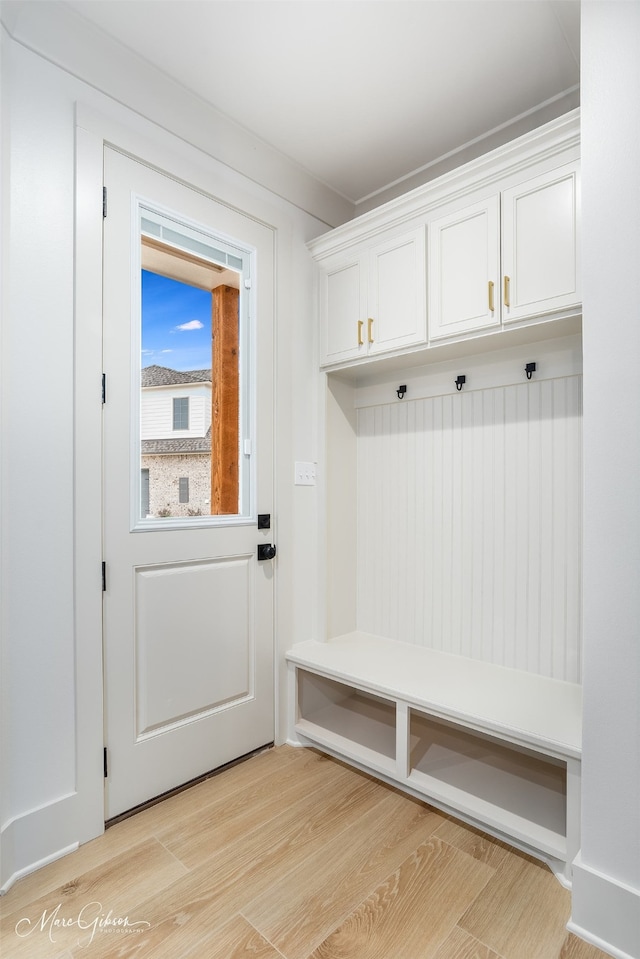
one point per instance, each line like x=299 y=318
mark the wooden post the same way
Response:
x=225 y=401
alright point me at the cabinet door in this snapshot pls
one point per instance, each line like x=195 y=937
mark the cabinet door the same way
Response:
x=540 y=250
x=397 y=315
x=343 y=309
x=464 y=260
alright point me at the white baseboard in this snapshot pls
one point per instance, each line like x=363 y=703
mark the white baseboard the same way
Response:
x=27 y=870
x=598 y=943
x=36 y=838
x=605 y=912
x=295 y=742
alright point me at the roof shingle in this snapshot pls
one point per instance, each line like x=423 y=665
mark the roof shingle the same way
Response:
x=163 y=376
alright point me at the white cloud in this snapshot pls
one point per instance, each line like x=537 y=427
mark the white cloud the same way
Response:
x=191 y=325
x=166 y=351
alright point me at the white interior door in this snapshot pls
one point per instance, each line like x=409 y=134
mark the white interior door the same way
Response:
x=188 y=608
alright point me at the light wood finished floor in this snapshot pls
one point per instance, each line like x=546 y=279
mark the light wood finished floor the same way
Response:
x=290 y=854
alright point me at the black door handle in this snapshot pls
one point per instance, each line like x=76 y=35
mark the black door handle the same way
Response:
x=266 y=551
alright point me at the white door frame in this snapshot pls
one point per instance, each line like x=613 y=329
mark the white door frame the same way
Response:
x=93 y=131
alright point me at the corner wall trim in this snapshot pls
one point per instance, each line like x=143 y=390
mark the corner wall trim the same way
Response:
x=37 y=838
x=605 y=911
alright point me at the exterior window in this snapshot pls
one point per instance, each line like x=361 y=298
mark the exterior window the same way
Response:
x=144 y=492
x=183 y=489
x=181 y=413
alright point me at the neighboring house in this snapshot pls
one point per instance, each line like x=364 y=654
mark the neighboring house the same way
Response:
x=175 y=431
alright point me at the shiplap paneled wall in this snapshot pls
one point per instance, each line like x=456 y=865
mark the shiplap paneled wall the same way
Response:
x=469 y=524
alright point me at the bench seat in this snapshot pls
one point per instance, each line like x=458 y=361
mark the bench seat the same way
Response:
x=498 y=747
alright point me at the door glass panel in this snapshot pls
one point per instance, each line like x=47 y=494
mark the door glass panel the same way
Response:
x=192 y=424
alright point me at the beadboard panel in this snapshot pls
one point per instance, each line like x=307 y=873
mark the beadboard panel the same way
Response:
x=469 y=524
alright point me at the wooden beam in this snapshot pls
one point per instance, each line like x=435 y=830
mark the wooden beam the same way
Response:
x=225 y=401
x=184 y=267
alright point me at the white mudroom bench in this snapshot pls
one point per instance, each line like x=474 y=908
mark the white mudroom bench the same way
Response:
x=496 y=747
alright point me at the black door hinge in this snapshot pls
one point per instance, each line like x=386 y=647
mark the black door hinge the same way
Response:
x=104 y=387
x=104 y=577
x=104 y=202
x=105 y=763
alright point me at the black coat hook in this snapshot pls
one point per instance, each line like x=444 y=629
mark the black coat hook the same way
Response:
x=401 y=391
x=460 y=381
x=530 y=369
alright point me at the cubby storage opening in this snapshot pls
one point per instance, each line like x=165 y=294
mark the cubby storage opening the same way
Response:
x=496 y=781
x=356 y=723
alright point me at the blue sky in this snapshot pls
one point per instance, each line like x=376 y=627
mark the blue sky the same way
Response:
x=176 y=324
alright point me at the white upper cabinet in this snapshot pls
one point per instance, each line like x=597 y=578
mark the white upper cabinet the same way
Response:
x=503 y=253
x=540 y=249
x=343 y=305
x=397 y=315
x=464 y=270
x=374 y=301
x=538 y=235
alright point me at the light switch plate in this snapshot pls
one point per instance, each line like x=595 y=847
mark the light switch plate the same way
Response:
x=305 y=474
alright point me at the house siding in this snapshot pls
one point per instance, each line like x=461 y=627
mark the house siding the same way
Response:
x=156 y=414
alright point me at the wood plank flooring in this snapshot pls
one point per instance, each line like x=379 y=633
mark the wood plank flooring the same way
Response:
x=290 y=855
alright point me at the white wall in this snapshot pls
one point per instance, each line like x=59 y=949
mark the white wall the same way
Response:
x=38 y=490
x=606 y=903
x=64 y=37
x=44 y=798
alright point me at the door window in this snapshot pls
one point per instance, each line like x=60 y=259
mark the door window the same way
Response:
x=192 y=393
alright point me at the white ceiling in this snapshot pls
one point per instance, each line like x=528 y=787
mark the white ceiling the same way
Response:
x=359 y=93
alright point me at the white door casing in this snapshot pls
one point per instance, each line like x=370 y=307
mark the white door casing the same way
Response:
x=188 y=609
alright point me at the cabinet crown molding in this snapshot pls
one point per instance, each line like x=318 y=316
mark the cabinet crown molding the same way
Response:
x=554 y=138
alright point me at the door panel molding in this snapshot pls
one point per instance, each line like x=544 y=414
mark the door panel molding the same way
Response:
x=161 y=594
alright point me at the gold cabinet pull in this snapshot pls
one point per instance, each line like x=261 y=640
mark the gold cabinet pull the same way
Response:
x=370 y=329
x=491 y=303
x=360 y=325
x=507 y=281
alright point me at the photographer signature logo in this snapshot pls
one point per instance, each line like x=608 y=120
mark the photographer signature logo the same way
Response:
x=90 y=920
